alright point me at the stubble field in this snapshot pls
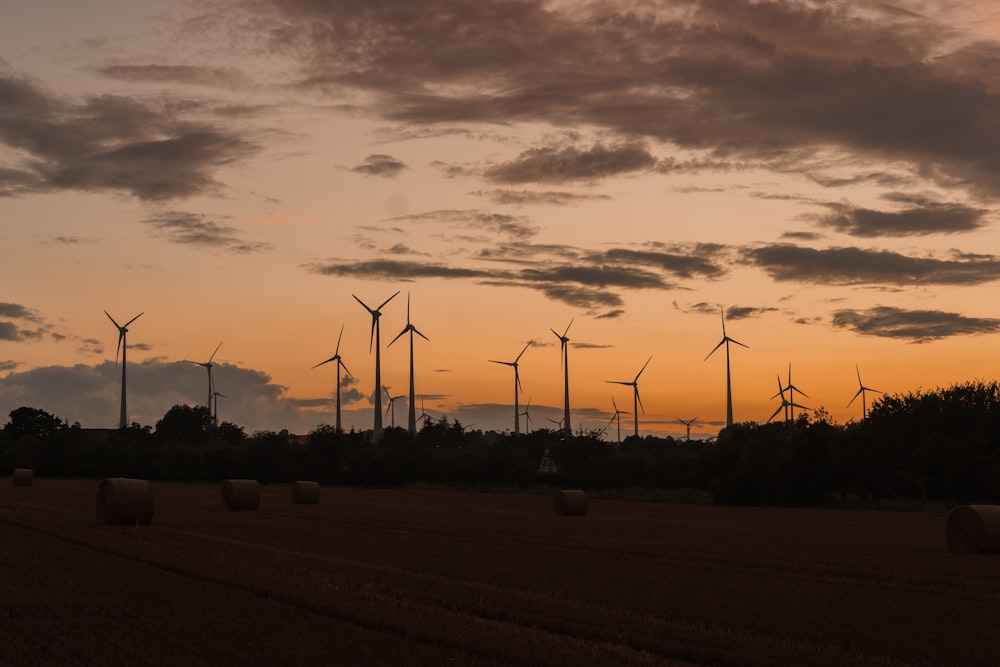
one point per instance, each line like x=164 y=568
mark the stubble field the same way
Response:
x=420 y=577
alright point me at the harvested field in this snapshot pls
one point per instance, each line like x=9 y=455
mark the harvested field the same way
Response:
x=412 y=576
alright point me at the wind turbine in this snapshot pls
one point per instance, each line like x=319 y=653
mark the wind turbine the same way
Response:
x=861 y=391
x=687 y=423
x=208 y=365
x=564 y=358
x=340 y=364
x=729 y=384
x=618 y=415
x=528 y=421
x=786 y=404
x=791 y=388
x=557 y=422
x=215 y=396
x=412 y=424
x=122 y=345
x=392 y=405
x=374 y=338
x=426 y=418
x=517 y=386
x=636 y=401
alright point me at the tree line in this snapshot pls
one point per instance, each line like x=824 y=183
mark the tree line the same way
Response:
x=941 y=445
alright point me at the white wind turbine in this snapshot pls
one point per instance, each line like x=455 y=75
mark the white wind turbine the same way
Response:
x=729 y=383
x=517 y=386
x=122 y=345
x=208 y=366
x=340 y=364
x=687 y=423
x=636 y=400
x=564 y=358
x=412 y=423
x=618 y=415
x=861 y=392
x=374 y=339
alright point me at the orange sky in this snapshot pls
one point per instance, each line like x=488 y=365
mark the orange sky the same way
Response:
x=824 y=172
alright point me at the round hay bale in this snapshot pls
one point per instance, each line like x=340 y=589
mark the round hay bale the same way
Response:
x=22 y=477
x=123 y=501
x=240 y=495
x=973 y=529
x=305 y=493
x=571 y=502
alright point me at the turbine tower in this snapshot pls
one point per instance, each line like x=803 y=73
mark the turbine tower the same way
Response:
x=517 y=386
x=687 y=423
x=636 y=401
x=374 y=339
x=729 y=382
x=122 y=345
x=340 y=364
x=861 y=391
x=412 y=424
x=618 y=415
x=564 y=358
x=211 y=387
x=392 y=405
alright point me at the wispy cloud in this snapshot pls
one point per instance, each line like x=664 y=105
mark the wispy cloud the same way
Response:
x=504 y=196
x=920 y=219
x=918 y=326
x=199 y=230
x=382 y=165
x=560 y=164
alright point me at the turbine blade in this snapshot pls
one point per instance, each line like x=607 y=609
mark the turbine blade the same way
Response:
x=407 y=307
x=855 y=396
x=518 y=358
x=780 y=408
x=112 y=319
x=642 y=369
x=858 y=371
x=387 y=301
x=505 y=363
x=363 y=304
x=213 y=354
x=614 y=404
x=121 y=337
x=714 y=349
x=371 y=338
x=337 y=350
x=732 y=340
x=417 y=331
x=517 y=379
x=137 y=317
x=324 y=362
x=639 y=399
x=397 y=337
x=567 y=328
x=342 y=365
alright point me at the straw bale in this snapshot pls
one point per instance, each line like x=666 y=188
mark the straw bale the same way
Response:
x=305 y=493
x=571 y=502
x=240 y=494
x=973 y=529
x=123 y=501
x=22 y=477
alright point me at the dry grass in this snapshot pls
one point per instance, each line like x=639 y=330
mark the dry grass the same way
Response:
x=431 y=577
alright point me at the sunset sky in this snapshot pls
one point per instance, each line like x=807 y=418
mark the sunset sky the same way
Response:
x=826 y=172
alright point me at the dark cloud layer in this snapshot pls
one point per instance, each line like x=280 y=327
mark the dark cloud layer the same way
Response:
x=199 y=230
x=926 y=218
x=914 y=325
x=528 y=197
x=149 y=149
x=771 y=83
x=856 y=266
x=385 y=166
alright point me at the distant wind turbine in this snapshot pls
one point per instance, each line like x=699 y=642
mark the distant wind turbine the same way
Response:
x=376 y=313
x=618 y=415
x=528 y=421
x=687 y=423
x=392 y=405
x=564 y=358
x=122 y=345
x=208 y=365
x=215 y=397
x=423 y=416
x=861 y=391
x=636 y=400
x=557 y=422
x=412 y=423
x=340 y=364
x=726 y=340
x=786 y=403
x=791 y=389
x=517 y=386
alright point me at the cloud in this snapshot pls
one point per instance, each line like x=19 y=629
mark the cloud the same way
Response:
x=529 y=197
x=199 y=230
x=385 y=166
x=216 y=77
x=918 y=326
x=747 y=312
x=927 y=217
x=8 y=331
x=513 y=226
x=552 y=164
x=8 y=365
x=17 y=311
x=743 y=82
x=151 y=149
x=857 y=266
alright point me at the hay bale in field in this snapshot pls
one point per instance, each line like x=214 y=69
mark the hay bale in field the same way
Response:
x=22 y=477
x=305 y=493
x=973 y=529
x=240 y=494
x=123 y=501
x=571 y=502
